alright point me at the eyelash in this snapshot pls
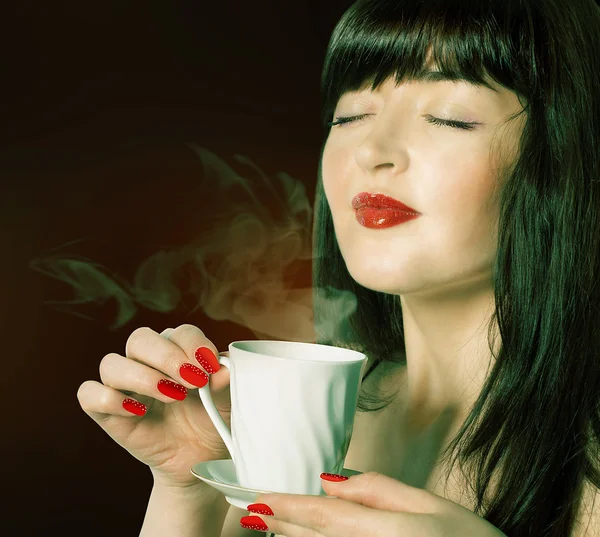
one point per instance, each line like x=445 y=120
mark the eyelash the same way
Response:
x=452 y=123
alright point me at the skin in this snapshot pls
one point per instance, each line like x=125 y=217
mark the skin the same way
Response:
x=440 y=264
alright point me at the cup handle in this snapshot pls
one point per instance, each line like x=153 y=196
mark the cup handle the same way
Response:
x=212 y=411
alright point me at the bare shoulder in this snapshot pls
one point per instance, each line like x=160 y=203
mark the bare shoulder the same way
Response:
x=588 y=518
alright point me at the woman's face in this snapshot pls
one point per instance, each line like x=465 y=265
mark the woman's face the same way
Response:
x=445 y=173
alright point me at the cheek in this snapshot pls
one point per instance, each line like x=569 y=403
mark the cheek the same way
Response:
x=464 y=186
x=472 y=218
x=462 y=213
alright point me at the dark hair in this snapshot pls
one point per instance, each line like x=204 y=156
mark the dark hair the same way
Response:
x=538 y=414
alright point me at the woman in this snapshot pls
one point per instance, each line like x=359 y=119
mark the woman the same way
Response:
x=477 y=312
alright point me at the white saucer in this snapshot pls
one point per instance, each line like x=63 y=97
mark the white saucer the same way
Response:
x=221 y=475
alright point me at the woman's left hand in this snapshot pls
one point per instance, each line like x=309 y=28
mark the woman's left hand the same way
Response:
x=368 y=505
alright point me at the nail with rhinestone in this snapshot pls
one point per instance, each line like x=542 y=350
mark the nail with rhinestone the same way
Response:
x=135 y=407
x=172 y=389
x=253 y=523
x=333 y=477
x=194 y=375
x=260 y=508
x=207 y=359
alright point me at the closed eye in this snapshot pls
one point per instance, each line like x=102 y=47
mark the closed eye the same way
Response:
x=452 y=123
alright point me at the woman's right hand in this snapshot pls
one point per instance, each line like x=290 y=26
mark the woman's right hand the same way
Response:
x=172 y=435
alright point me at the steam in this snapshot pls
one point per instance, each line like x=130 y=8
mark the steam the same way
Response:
x=239 y=269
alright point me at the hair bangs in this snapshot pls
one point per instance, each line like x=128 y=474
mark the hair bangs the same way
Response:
x=473 y=42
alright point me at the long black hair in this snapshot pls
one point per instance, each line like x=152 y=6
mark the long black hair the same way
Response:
x=538 y=414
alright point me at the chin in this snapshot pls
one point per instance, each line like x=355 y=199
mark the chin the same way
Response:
x=378 y=280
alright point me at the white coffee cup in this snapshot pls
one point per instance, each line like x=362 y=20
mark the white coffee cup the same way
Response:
x=292 y=412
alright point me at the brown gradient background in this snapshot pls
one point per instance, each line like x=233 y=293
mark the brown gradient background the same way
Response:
x=98 y=102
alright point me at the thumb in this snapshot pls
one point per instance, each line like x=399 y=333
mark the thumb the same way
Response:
x=379 y=491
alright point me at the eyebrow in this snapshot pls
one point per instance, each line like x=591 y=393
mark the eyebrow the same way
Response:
x=442 y=76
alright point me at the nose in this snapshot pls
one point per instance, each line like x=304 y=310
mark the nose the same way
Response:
x=381 y=153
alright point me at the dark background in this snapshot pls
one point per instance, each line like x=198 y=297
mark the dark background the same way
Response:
x=98 y=102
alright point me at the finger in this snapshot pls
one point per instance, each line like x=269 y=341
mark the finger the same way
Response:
x=195 y=345
x=148 y=347
x=125 y=374
x=192 y=340
x=330 y=517
x=101 y=402
x=165 y=333
x=380 y=491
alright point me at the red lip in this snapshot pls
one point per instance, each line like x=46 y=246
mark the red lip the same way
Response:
x=379 y=201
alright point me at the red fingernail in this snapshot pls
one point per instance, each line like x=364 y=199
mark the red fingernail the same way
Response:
x=194 y=375
x=260 y=508
x=172 y=389
x=207 y=359
x=333 y=477
x=253 y=523
x=135 y=407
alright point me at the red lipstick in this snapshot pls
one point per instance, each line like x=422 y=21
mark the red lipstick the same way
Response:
x=377 y=211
